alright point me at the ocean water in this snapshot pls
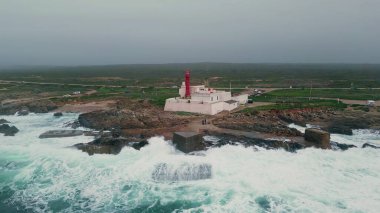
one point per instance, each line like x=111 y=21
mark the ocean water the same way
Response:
x=46 y=175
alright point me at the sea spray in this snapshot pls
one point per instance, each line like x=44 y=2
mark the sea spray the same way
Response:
x=44 y=175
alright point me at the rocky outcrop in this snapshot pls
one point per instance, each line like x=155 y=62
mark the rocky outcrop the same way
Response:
x=341 y=146
x=276 y=121
x=227 y=139
x=61 y=133
x=8 y=130
x=23 y=112
x=368 y=145
x=278 y=129
x=339 y=129
x=272 y=122
x=110 y=145
x=129 y=119
x=40 y=106
x=58 y=114
x=3 y=121
x=346 y=125
x=318 y=137
x=188 y=141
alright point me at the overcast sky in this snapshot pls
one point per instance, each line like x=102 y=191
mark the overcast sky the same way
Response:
x=86 y=32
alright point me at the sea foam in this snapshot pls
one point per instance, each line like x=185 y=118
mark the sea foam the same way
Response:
x=42 y=175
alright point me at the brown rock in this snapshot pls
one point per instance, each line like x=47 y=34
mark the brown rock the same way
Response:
x=319 y=137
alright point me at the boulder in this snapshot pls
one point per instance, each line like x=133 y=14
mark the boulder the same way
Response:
x=341 y=146
x=61 y=133
x=23 y=112
x=318 y=137
x=8 y=130
x=340 y=129
x=3 y=121
x=368 y=145
x=188 y=141
x=110 y=145
x=139 y=145
x=92 y=149
x=58 y=114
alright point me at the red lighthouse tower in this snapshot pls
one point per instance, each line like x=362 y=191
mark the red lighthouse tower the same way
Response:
x=187 y=83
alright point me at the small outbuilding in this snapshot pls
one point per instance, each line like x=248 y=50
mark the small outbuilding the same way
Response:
x=371 y=103
x=188 y=141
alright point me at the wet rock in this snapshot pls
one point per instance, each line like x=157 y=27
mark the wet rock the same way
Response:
x=92 y=149
x=8 y=130
x=140 y=144
x=3 y=121
x=23 y=112
x=116 y=132
x=61 y=133
x=274 y=128
x=318 y=137
x=343 y=130
x=188 y=141
x=139 y=118
x=346 y=125
x=58 y=114
x=110 y=145
x=289 y=119
x=368 y=145
x=74 y=124
x=341 y=146
x=226 y=139
x=40 y=106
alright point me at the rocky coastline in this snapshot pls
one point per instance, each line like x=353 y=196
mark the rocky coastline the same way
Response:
x=131 y=123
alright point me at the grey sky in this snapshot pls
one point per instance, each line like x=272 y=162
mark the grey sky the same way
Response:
x=74 y=32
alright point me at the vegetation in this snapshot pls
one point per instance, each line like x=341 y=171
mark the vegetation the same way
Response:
x=297 y=105
x=216 y=74
x=156 y=96
x=293 y=94
x=156 y=83
x=186 y=113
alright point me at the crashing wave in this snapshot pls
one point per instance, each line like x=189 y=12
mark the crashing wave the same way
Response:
x=183 y=172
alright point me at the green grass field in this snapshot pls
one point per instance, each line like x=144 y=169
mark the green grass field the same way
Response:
x=293 y=94
x=298 y=105
x=155 y=82
x=217 y=75
x=156 y=96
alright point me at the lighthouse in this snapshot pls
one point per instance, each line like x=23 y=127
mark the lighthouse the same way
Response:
x=202 y=100
x=187 y=83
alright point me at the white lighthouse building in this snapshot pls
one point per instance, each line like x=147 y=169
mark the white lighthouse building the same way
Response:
x=203 y=100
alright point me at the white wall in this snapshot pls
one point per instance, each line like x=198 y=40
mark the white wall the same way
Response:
x=195 y=107
x=230 y=107
x=242 y=99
